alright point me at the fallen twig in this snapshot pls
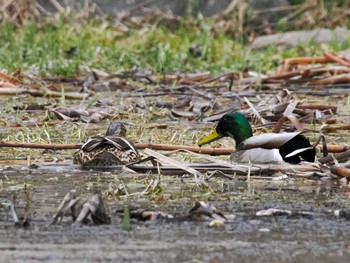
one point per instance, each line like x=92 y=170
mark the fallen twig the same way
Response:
x=196 y=149
x=286 y=75
x=307 y=60
x=9 y=79
x=340 y=171
x=40 y=145
x=198 y=176
x=39 y=93
x=336 y=59
x=338 y=156
x=236 y=170
x=343 y=78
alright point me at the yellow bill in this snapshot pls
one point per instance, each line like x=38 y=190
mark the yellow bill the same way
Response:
x=209 y=138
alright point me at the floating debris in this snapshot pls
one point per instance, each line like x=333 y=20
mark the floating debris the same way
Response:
x=274 y=212
x=93 y=208
x=8 y=205
x=203 y=211
x=69 y=206
x=147 y=215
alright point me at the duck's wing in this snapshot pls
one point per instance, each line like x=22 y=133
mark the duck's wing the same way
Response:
x=257 y=155
x=106 y=151
x=298 y=148
x=119 y=143
x=290 y=147
x=267 y=140
x=92 y=143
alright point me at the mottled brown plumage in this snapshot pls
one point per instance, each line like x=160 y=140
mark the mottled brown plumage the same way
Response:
x=108 y=151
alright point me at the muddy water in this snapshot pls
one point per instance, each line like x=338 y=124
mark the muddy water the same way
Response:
x=317 y=237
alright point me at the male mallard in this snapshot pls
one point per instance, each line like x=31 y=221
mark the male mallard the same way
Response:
x=111 y=150
x=263 y=148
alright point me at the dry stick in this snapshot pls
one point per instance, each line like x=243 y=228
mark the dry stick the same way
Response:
x=13 y=90
x=9 y=79
x=192 y=80
x=58 y=6
x=236 y=170
x=154 y=146
x=340 y=171
x=45 y=93
x=317 y=107
x=285 y=75
x=40 y=145
x=230 y=7
x=139 y=6
x=165 y=147
x=339 y=156
x=333 y=148
x=275 y=9
x=196 y=149
x=217 y=151
x=212 y=79
x=51 y=93
x=337 y=59
x=164 y=159
x=343 y=78
x=308 y=60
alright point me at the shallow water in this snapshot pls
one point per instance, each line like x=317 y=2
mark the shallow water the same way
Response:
x=37 y=193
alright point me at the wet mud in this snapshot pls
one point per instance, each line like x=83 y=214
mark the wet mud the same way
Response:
x=313 y=233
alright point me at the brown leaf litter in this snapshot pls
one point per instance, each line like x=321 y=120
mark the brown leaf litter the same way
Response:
x=195 y=98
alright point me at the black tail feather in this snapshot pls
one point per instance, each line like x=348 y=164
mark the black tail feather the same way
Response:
x=298 y=142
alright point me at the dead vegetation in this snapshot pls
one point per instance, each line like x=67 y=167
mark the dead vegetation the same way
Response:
x=18 y=12
x=167 y=113
x=238 y=19
x=194 y=99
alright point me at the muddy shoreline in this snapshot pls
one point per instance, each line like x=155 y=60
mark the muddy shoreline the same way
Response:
x=248 y=238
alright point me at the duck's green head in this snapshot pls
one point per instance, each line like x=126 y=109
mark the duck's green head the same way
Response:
x=116 y=129
x=234 y=125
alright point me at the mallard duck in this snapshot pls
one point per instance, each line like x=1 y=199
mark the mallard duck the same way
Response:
x=264 y=148
x=106 y=151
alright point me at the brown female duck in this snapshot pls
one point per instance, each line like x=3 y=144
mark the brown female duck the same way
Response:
x=107 y=151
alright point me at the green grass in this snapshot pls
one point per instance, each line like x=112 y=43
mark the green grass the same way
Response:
x=41 y=48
